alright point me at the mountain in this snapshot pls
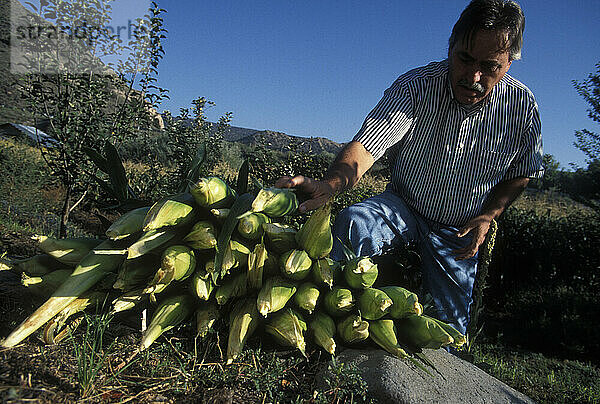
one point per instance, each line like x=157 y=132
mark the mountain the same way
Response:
x=281 y=141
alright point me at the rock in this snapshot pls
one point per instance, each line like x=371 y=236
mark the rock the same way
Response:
x=393 y=380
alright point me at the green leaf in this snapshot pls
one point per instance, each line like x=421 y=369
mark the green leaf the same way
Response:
x=194 y=172
x=242 y=179
x=96 y=158
x=105 y=186
x=116 y=171
x=242 y=204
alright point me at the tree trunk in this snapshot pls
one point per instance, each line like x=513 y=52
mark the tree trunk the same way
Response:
x=64 y=217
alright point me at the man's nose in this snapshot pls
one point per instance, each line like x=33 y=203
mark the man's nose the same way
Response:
x=474 y=74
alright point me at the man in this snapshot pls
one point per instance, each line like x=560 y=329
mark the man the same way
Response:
x=465 y=140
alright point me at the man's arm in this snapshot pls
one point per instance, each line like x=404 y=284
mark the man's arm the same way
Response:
x=348 y=167
x=500 y=198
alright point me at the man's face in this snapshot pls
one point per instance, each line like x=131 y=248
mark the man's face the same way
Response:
x=476 y=66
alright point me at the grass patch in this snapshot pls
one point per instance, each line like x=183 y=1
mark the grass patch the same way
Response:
x=544 y=379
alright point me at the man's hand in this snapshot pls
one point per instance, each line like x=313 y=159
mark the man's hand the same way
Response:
x=479 y=227
x=319 y=191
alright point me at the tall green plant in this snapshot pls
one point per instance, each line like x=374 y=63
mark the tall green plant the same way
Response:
x=85 y=107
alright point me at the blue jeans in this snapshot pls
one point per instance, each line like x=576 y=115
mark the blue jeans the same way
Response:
x=450 y=282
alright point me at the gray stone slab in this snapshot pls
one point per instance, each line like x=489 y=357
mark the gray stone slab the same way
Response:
x=393 y=380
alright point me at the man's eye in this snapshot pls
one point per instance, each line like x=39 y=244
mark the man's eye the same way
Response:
x=491 y=67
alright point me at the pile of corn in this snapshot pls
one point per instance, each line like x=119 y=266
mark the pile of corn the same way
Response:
x=211 y=254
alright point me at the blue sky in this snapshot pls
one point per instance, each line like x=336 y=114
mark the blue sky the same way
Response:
x=316 y=68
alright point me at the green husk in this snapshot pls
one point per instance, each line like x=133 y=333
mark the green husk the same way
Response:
x=250 y=226
x=275 y=202
x=233 y=286
x=256 y=265
x=128 y=300
x=360 y=273
x=104 y=258
x=175 y=210
x=127 y=224
x=315 y=235
x=274 y=295
x=43 y=286
x=206 y=315
x=37 y=265
x=338 y=301
x=322 y=329
x=135 y=273
x=150 y=241
x=353 y=329
x=236 y=256
x=213 y=193
x=243 y=321
x=280 y=238
x=374 y=304
x=295 y=264
x=202 y=236
x=178 y=262
x=406 y=303
x=459 y=338
x=422 y=332
x=288 y=327
x=171 y=312
x=323 y=271
x=68 y=251
x=307 y=296
x=202 y=284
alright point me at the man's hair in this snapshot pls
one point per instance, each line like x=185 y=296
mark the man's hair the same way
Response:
x=492 y=15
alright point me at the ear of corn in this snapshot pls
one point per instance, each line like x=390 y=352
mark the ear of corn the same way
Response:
x=171 y=312
x=213 y=193
x=149 y=241
x=220 y=214
x=49 y=332
x=234 y=286
x=170 y=211
x=360 y=272
x=323 y=271
x=275 y=202
x=250 y=227
x=256 y=265
x=288 y=327
x=93 y=267
x=236 y=255
x=43 y=286
x=374 y=304
x=203 y=236
x=243 y=321
x=37 y=265
x=383 y=333
x=135 y=273
x=353 y=329
x=322 y=328
x=128 y=224
x=274 y=295
x=69 y=251
x=314 y=235
x=405 y=302
x=338 y=301
x=206 y=315
x=457 y=336
x=178 y=263
x=280 y=238
x=128 y=301
x=295 y=264
x=202 y=284
x=307 y=296
x=422 y=332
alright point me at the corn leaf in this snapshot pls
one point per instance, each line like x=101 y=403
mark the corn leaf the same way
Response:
x=242 y=204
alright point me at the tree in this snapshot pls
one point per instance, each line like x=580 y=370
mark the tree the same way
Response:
x=85 y=102
x=588 y=141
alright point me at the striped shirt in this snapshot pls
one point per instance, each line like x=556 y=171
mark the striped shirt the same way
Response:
x=446 y=157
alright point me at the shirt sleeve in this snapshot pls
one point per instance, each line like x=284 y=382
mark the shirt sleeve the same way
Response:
x=528 y=162
x=388 y=122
